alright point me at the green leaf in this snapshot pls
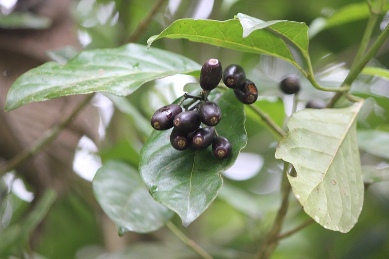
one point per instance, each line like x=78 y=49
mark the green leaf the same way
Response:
x=376 y=71
x=349 y=13
x=246 y=34
x=123 y=197
x=24 y=21
x=372 y=141
x=118 y=71
x=371 y=174
x=322 y=147
x=188 y=181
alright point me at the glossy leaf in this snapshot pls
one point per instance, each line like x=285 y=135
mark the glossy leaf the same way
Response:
x=118 y=71
x=123 y=197
x=245 y=33
x=374 y=142
x=322 y=147
x=188 y=181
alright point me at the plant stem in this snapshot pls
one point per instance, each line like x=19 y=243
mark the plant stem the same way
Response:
x=296 y=229
x=271 y=240
x=146 y=22
x=47 y=137
x=265 y=117
x=187 y=241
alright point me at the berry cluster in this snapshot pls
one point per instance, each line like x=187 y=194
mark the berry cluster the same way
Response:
x=194 y=125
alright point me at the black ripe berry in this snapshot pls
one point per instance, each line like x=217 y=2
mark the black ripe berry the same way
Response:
x=221 y=147
x=209 y=113
x=247 y=93
x=163 y=117
x=290 y=85
x=203 y=137
x=179 y=140
x=315 y=104
x=234 y=76
x=187 y=121
x=211 y=74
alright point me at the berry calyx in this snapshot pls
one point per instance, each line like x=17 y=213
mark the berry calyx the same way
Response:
x=290 y=85
x=187 y=121
x=221 y=147
x=234 y=76
x=203 y=137
x=211 y=74
x=209 y=113
x=247 y=93
x=163 y=117
x=179 y=140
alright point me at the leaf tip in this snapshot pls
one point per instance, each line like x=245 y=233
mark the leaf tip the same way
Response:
x=151 y=40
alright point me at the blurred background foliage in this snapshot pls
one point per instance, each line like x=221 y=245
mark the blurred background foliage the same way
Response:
x=235 y=223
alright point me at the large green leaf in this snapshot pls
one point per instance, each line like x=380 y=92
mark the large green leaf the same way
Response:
x=374 y=142
x=123 y=197
x=244 y=33
x=322 y=146
x=188 y=181
x=118 y=71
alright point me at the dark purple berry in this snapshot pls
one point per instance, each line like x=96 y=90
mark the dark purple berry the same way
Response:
x=180 y=140
x=203 y=137
x=163 y=117
x=247 y=93
x=315 y=104
x=221 y=147
x=187 y=121
x=234 y=76
x=290 y=85
x=211 y=74
x=209 y=113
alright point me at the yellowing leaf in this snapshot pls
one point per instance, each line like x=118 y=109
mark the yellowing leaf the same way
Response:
x=322 y=146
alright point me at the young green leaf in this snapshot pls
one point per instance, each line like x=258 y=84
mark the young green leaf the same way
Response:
x=118 y=71
x=322 y=147
x=376 y=71
x=123 y=197
x=188 y=181
x=246 y=34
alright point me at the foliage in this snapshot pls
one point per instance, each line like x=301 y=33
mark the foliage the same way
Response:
x=328 y=155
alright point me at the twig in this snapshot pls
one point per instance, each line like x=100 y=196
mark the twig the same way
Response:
x=146 y=22
x=264 y=116
x=189 y=242
x=296 y=229
x=43 y=141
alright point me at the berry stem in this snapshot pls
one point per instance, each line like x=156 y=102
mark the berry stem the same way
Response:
x=296 y=229
x=265 y=117
x=187 y=241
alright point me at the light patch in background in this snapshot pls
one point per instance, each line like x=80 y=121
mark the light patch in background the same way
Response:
x=84 y=38
x=203 y=9
x=86 y=161
x=6 y=6
x=17 y=187
x=246 y=166
x=106 y=110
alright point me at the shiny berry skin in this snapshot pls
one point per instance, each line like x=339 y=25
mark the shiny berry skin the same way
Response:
x=221 y=147
x=203 y=137
x=210 y=74
x=290 y=85
x=163 y=117
x=187 y=121
x=247 y=93
x=180 y=140
x=209 y=113
x=315 y=104
x=234 y=76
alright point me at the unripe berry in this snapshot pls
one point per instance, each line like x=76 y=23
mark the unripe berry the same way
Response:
x=209 y=113
x=247 y=93
x=163 y=117
x=211 y=74
x=221 y=147
x=315 y=104
x=179 y=140
x=203 y=137
x=234 y=76
x=187 y=121
x=290 y=85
